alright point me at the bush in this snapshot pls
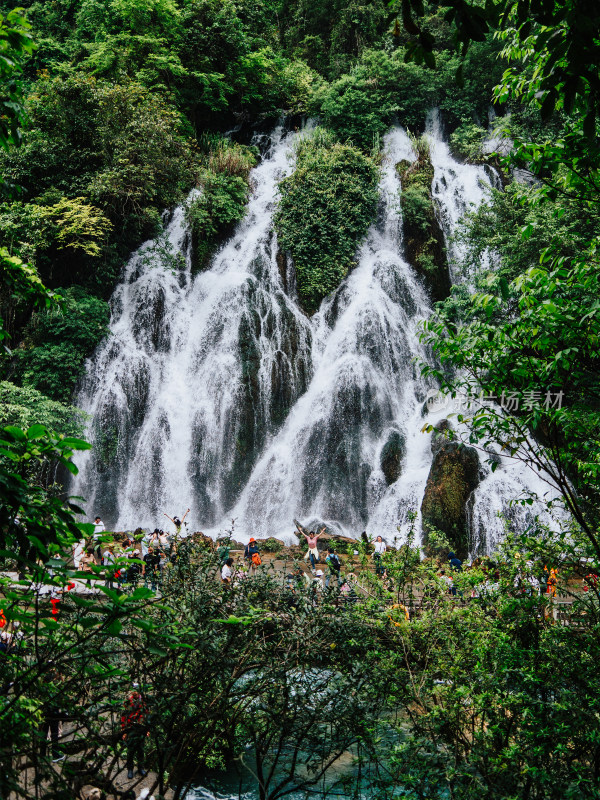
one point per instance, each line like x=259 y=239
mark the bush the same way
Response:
x=23 y=406
x=416 y=208
x=466 y=143
x=271 y=545
x=361 y=105
x=224 y=193
x=96 y=153
x=325 y=210
x=60 y=341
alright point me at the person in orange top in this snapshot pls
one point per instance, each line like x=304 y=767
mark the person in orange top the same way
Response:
x=552 y=581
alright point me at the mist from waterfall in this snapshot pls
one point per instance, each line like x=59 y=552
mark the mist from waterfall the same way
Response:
x=214 y=390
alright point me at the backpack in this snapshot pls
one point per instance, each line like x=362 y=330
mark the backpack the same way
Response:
x=256 y=560
x=334 y=562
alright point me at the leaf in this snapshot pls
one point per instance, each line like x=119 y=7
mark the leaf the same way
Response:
x=76 y=444
x=115 y=627
x=15 y=432
x=37 y=432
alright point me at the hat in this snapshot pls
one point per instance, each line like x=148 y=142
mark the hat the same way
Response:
x=319 y=573
x=252 y=539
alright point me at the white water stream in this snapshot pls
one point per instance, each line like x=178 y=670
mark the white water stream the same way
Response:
x=215 y=391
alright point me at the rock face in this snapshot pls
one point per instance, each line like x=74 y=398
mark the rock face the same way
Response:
x=453 y=476
x=391 y=456
x=423 y=237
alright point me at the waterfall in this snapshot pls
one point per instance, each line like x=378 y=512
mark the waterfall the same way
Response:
x=197 y=372
x=215 y=391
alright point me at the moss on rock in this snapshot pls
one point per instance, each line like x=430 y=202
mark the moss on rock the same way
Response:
x=423 y=236
x=453 y=476
x=391 y=457
x=325 y=210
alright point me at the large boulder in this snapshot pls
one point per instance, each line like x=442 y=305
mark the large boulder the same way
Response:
x=424 y=245
x=392 y=453
x=453 y=476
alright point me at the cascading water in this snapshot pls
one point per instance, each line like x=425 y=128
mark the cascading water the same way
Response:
x=215 y=391
x=197 y=372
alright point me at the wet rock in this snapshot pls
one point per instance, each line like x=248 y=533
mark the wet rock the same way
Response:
x=391 y=456
x=453 y=476
x=423 y=236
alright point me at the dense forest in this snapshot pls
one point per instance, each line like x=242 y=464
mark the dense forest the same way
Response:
x=111 y=113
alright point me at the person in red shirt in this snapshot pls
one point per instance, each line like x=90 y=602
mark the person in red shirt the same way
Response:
x=134 y=729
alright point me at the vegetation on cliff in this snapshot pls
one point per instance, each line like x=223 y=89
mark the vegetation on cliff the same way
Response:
x=325 y=209
x=423 y=236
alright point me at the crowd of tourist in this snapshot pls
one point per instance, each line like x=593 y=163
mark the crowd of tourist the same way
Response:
x=148 y=555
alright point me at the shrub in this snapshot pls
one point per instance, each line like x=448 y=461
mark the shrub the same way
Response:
x=466 y=143
x=23 y=406
x=271 y=545
x=59 y=342
x=223 y=195
x=325 y=209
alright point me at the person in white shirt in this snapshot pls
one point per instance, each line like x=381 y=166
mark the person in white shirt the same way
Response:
x=109 y=563
x=380 y=548
x=78 y=551
x=226 y=572
x=99 y=529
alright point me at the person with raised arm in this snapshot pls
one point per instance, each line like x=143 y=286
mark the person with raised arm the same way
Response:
x=179 y=523
x=311 y=539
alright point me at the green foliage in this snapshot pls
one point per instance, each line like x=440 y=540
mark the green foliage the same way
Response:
x=95 y=154
x=466 y=142
x=223 y=196
x=19 y=283
x=55 y=226
x=438 y=545
x=424 y=239
x=325 y=209
x=23 y=407
x=416 y=208
x=515 y=229
x=60 y=340
x=16 y=42
x=271 y=545
x=361 y=105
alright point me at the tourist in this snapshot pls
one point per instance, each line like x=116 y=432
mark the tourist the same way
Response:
x=163 y=561
x=335 y=566
x=134 y=730
x=348 y=593
x=316 y=587
x=134 y=569
x=179 y=523
x=311 y=539
x=223 y=551
x=552 y=582
x=52 y=716
x=145 y=543
x=99 y=529
x=252 y=555
x=448 y=580
x=380 y=548
x=78 y=552
x=454 y=562
x=164 y=541
x=154 y=540
x=150 y=568
x=226 y=571
x=108 y=559
x=87 y=559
